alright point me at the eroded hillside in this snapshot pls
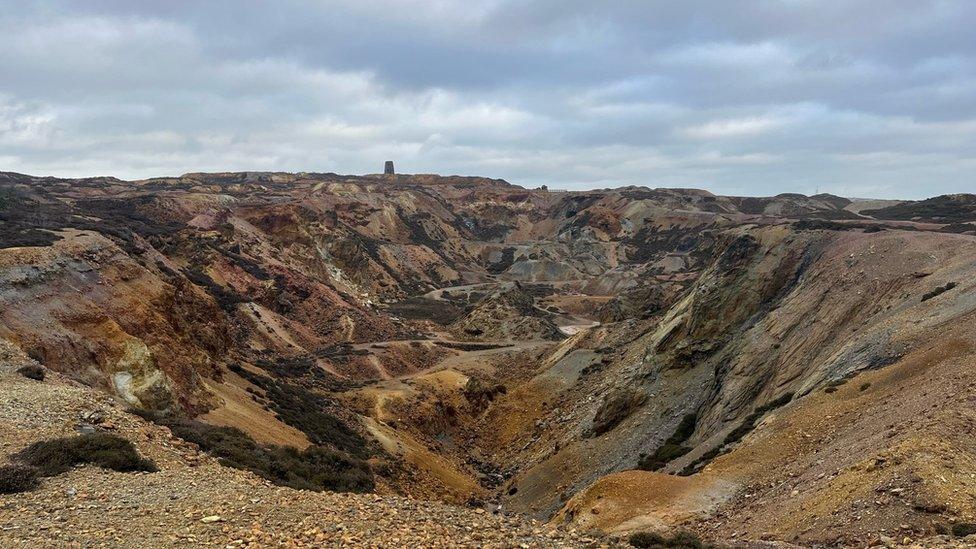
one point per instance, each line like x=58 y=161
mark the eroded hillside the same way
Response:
x=785 y=368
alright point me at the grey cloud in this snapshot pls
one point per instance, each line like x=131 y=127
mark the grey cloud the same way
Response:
x=755 y=97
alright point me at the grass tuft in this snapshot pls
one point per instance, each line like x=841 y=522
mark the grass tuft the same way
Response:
x=32 y=371
x=680 y=540
x=53 y=457
x=15 y=479
x=316 y=468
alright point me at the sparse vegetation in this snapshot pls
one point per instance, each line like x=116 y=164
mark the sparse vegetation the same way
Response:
x=227 y=298
x=56 y=456
x=480 y=393
x=834 y=384
x=939 y=209
x=713 y=310
x=470 y=346
x=308 y=412
x=442 y=312
x=292 y=367
x=672 y=448
x=963 y=529
x=938 y=291
x=32 y=371
x=17 y=478
x=680 y=540
x=315 y=468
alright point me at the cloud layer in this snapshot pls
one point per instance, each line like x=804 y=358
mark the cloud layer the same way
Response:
x=859 y=98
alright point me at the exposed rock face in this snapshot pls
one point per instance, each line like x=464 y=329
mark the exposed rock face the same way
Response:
x=815 y=350
x=84 y=306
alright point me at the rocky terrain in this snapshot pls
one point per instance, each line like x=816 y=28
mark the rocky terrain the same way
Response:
x=194 y=501
x=467 y=356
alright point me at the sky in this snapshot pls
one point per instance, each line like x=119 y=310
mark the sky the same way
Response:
x=861 y=98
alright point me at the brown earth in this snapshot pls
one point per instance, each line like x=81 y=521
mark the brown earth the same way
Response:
x=501 y=348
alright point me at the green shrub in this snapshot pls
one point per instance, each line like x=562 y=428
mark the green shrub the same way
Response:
x=53 y=457
x=938 y=291
x=646 y=539
x=32 y=371
x=316 y=468
x=681 y=540
x=963 y=529
x=309 y=413
x=864 y=386
x=17 y=478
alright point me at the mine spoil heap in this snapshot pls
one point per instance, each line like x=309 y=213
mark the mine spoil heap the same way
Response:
x=316 y=359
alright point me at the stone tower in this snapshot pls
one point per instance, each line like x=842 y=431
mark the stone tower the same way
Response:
x=388 y=168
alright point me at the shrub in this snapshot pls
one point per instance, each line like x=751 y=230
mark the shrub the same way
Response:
x=480 y=393
x=864 y=386
x=316 y=468
x=963 y=529
x=646 y=539
x=32 y=371
x=750 y=422
x=681 y=540
x=705 y=458
x=834 y=384
x=17 y=478
x=227 y=298
x=308 y=412
x=53 y=457
x=938 y=291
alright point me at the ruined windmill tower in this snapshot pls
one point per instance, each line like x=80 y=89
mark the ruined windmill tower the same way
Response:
x=388 y=168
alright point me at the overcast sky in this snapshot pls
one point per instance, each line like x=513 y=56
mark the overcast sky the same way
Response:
x=748 y=97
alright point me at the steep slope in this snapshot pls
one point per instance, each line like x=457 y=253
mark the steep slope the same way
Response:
x=780 y=317
x=83 y=306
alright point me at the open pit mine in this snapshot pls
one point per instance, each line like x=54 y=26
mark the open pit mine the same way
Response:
x=313 y=359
